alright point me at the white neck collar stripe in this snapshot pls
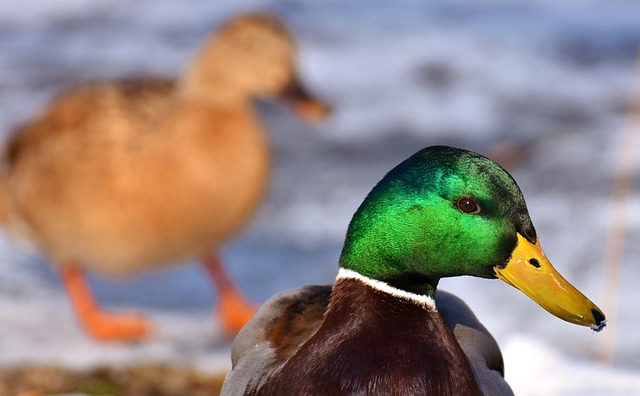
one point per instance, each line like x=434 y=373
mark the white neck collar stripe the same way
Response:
x=420 y=299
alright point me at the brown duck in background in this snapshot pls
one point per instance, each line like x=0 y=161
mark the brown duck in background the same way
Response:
x=125 y=177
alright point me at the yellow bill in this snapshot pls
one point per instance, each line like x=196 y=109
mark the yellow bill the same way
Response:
x=530 y=271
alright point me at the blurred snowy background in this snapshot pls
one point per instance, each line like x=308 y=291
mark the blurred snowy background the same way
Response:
x=552 y=79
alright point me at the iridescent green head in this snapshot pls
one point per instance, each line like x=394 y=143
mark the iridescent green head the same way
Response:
x=442 y=212
x=449 y=212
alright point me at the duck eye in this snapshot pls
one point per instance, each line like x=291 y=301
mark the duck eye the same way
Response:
x=468 y=205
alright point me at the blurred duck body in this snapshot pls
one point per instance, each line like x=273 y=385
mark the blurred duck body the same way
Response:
x=125 y=177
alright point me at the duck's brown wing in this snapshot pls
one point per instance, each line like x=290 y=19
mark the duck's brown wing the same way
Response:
x=89 y=108
x=275 y=333
x=478 y=344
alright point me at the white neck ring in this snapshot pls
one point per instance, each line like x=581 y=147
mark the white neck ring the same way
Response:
x=420 y=299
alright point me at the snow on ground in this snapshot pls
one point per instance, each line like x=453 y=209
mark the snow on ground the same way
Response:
x=553 y=78
x=536 y=369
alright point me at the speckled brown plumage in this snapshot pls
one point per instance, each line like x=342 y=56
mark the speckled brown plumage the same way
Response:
x=122 y=177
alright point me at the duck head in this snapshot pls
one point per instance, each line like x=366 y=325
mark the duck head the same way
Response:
x=252 y=56
x=449 y=212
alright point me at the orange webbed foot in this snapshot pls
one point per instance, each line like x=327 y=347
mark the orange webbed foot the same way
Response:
x=233 y=309
x=101 y=325
x=105 y=326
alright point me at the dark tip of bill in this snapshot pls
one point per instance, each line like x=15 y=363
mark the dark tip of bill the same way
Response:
x=601 y=321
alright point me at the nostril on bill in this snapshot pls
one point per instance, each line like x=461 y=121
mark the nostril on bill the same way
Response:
x=534 y=262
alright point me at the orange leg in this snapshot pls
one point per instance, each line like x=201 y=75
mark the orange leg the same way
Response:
x=234 y=310
x=101 y=325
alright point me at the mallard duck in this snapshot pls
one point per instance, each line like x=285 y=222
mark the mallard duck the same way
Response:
x=381 y=328
x=124 y=177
